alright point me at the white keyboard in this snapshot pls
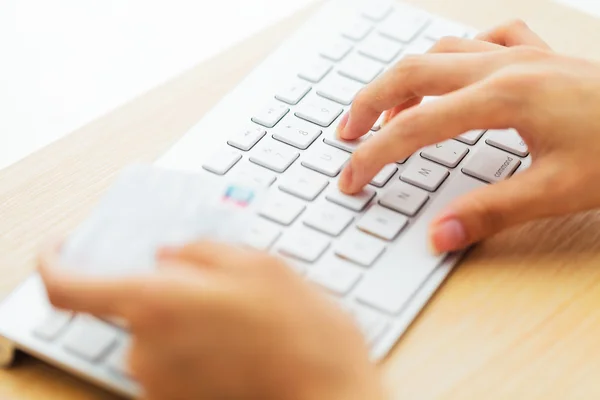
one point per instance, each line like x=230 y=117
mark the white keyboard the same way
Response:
x=277 y=129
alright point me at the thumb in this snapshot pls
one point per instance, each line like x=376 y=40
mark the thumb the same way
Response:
x=491 y=209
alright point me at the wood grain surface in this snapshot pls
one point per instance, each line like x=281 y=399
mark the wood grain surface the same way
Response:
x=519 y=319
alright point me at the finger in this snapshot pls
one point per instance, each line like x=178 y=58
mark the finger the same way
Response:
x=491 y=209
x=451 y=44
x=207 y=254
x=418 y=76
x=448 y=44
x=475 y=107
x=102 y=297
x=513 y=33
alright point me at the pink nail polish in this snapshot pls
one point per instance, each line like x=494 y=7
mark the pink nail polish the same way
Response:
x=449 y=235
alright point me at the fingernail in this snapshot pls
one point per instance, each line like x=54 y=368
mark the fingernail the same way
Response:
x=346 y=178
x=342 y=125
x=448 y=235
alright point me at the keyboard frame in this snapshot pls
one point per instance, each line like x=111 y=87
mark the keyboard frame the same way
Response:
x=188 y=154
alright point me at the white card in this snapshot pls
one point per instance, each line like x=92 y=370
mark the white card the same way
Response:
x=149 y=207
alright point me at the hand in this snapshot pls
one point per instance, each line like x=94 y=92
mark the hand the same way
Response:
x=216 y=322
x=507 y=78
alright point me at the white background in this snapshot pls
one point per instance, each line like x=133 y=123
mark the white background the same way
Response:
x=65 y=62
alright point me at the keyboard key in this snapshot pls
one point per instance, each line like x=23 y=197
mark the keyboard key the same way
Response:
x=53 y=325
x=357 y=30
x=271 y=114
x=339 y=89
x=329 y=218
x=315 y=70
x=441 y=28
x=282 y=208
x=325 y=159
x=274 y=155
x=222 y=161
x=404 y=25
x=89 y=338
x=380 y=48
x=391 y=283
x=384 y=175
x=491 y=165
x=507 y=140
x=304 y=244
x=319 y=111
x=372 y=324
x=360 y=248
x=449 y=153
x=382 y=222
x=356 y=202
x=350 y=146
x=117 y=361
x=336 y=50
x=360 y=68
x=404 y=198
x=297 y=133
x=251 y=173
x=424 y=174
x=471 y=137
x=246 y=139
x=262 y=235
x=304 y=184
x=336 y=275
x=293 y=93
x=377 y=10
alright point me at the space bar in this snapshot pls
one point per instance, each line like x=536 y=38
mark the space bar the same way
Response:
x=404 y=268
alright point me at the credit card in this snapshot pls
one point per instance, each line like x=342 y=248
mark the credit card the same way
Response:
x=149 y=207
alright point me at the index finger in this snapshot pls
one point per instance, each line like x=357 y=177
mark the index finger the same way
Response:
x=97 y=296
x=430 y=74
x=475 y=107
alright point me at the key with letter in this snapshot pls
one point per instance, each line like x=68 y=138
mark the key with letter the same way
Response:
x=319 y=111
x=304 y=244
x=404 y=198
x=222 y=161
x=360 y=248
x=424 y=174
x=247 y=138
x=282 y=208
x=274 y=155
x=315 y=70
x=491 y=165
x=271 y=114
x=339 y=89
x=325 y=159
x=329 y=218
x=449 y=153
x=296 y=132
x=293 y=93
x=507 y=140
x=303 y=183
x=360 y=68
x=382 y=222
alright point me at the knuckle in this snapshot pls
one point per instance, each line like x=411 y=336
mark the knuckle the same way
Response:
x=529 y=53
x=517 y=23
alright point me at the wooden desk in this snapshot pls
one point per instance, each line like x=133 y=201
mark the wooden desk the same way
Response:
x=519 y=319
